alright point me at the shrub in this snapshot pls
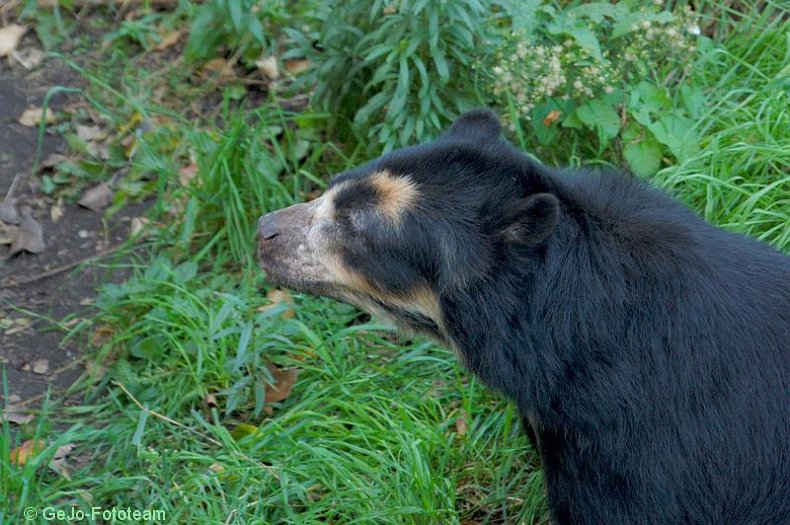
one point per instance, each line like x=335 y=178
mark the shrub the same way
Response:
x=395 y=72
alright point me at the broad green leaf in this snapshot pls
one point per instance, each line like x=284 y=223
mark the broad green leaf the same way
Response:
x=644 y=155
x=600 y=117
x=678 y=134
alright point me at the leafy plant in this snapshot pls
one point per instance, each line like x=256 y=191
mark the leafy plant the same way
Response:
x=395 y=72
x=240 y=25
x=595 y=67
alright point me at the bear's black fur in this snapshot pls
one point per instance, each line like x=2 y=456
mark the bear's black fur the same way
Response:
x=648 y=350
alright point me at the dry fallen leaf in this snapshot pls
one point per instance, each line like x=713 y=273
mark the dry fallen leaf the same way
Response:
x=220 y=67
x=97 y=198
x=29 y=236
x=297 y=66
x=41 y=366
x=460 y=426
x=101 y=335
x=137 y=226
x=90 y=133
x=268 y=67
x=210 y=400
x=29 y=58
x=187 y=173
x=25 y=451
x=31 y=117
x=58 y=462
x=284 y=380
x=279 y=298
x=10 y=37
x=14 y=414
x=56 y=211
x=551 y=117
x=168 y=40
x=52 y=160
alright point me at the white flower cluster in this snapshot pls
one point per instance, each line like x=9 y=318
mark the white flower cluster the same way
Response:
x=531 y=71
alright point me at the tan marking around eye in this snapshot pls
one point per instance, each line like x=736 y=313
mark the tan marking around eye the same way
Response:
x=396 y=193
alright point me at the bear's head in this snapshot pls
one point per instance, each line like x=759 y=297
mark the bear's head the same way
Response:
x=395 y=235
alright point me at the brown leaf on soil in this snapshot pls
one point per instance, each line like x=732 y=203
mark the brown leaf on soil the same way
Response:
x=284 y=380
x=56 y=211
x=14 y=414
x=10 y=37
x=29 y=236
x=97 y=198
x=31 y=117
x=25 y=451
x=169 y=40
x=52 y=160
x=40 y=366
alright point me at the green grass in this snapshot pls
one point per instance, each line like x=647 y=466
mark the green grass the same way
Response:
x=373 y=431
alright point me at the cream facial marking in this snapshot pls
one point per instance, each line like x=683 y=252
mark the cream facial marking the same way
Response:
x=396 y=193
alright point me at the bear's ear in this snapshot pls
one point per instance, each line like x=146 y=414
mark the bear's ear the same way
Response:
x=479 y=125
x=535 y=219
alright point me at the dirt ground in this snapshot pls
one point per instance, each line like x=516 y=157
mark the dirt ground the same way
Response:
x=48 y=284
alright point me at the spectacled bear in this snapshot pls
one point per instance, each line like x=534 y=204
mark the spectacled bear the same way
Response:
x=648 y=351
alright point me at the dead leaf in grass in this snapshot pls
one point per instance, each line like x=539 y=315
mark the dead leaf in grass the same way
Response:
x=97 y=198
x=10 y=37
x=210 y=400
x=52 y=160
x=220 y=67
x=102 y=335
x=14 y=414
x=169 y=40
x=26 y=451
x=280 y=299
x=284 y=380
x=187 y=173
x=90 y=133
x=268 y=67
x=31 y=117
x=29 y=236
x=138 y=226
x=297 y=66
x=461 y=426
x=58 y=462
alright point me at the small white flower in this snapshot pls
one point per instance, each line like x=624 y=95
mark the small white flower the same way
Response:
x=694 y=30
x=498 y=70
x=646 y=24
x=577 y=84
x=608 y=90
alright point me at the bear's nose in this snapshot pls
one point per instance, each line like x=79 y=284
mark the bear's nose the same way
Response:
x=267 y=227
